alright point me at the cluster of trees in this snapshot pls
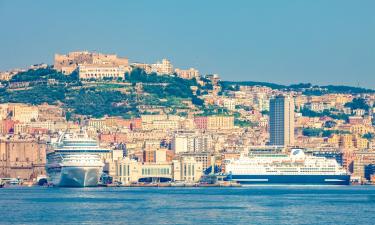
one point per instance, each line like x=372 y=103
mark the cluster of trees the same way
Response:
x=169 y=85
x=346 y=89
x=309 y=113
x=243 y=123
x=358 y=103
x=100 y=103
x=211 y=110
x=44 y=74
x=197 y=101
x=369 y=136
x=35 y=95
x=332 y=89
x=318 y=132
x=330 y=124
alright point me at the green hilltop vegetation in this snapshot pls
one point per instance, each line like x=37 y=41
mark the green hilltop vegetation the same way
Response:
x=168 y=85
x=108 y=97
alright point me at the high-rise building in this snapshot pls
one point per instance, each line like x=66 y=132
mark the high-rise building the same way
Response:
x=281 y=121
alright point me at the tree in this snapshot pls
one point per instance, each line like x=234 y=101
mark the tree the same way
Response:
x=312 y=132
x=369 y=136
x=358 y=103
x=330 y=124
x=197 y=101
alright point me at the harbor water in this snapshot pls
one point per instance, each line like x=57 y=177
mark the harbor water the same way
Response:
x=244 y=205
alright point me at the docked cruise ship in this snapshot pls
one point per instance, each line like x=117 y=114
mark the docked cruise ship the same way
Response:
x=279 y=168
x=75 y=161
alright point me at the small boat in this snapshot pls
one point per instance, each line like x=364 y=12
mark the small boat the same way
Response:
x=15 y=181
x=177 y=184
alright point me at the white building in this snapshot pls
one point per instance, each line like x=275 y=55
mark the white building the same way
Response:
x=317 y=106
x=359 y=112
x=230 y=104
x=191 y=143
x=129 y=171
x=262 y=101
x=101 y=71
x=165 y=67
x=187 y=74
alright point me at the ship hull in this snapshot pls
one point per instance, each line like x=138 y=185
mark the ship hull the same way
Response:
x=76 y=176
x=292 y=179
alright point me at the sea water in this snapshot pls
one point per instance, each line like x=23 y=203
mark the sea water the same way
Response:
x=210 y=205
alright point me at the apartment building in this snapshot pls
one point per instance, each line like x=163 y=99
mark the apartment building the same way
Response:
x=187 y=74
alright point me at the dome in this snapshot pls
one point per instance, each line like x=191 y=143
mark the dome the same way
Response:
x=297 y=153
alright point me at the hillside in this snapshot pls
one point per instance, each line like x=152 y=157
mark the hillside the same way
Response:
x=140 y=93
x=114 y=98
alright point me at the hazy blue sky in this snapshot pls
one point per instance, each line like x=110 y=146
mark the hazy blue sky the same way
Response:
x=318 y=41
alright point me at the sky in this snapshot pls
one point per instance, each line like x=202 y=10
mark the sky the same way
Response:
x=290 y=41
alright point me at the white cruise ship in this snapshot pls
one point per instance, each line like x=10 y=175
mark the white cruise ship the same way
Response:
x=75 y=161
x=277 y=168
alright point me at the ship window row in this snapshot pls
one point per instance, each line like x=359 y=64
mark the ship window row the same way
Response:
x=82 y=160
x=93 y=151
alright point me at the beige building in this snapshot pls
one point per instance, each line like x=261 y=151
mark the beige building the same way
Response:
x=152 y=118
x=348 y=141
x=200 y=157
x=97 y=123
x=146 y=67
x=69 y=62
x=214 y=122
x=6 y=75
x=3 y=111
x=161 y=125
x=160 y=122
x=220 y=122
x=187 y=169
x=361 y=160
x=126 y=171
x=187 y=74
x=163 y=67
x=22 y=158
x=191 y=142
x=361 y=129
x=23 y=113
x=29 y=127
